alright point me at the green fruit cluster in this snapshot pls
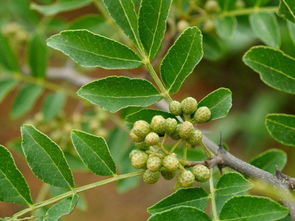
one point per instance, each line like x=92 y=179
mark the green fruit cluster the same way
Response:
x=188 y=109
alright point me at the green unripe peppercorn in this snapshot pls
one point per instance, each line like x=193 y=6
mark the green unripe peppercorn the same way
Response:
x=158 y=124
x=201 y=172
x=170 y=125
x=151 y=177
x=175 y=134
x=189 y=105
x=139 y=159
x=211 y=6
x=152 y=139
x=186 y=130
x=134 y=137
x=202 y=115
x=196 y=138
x=133 y=152
x=209 y=26
x=154 y=163
x=171 y=162
x=141 y=128
x=175 y=108
x=186 y=178
x=167 y=175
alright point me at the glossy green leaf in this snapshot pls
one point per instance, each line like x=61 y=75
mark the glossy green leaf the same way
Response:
x=62 y=208
x=13 y=186
x=181 y=59
x=181 y=213
x=147 y=115
x=226 y=27
x=60 y=6
x=25 y=99
x=52 y=105
x=91 y=22
x=152 y=24
x=195 y=197
x=282 y=128
x=37 y=56
x=115 y=93
x=252 y=208
x=92 y=50
x=229 y=185
x=219 y=102
x=270 y=160
x=6 y=85
x=123 y=12
x=266 y=28
x=287 y=10
x=45 y=158
x=291 y=29
x=276 y=68
x=9 y=61
x=94 y=152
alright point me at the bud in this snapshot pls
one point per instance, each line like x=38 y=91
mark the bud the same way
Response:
x=201 y=172
x=186 y=130
x=175 y=108
x=150 y=177
x=158 y=124
x=202 y=115
x=141 y=128
x=186 y=178
x=209 y=26
x=196 y=138
x=167 y=175
x=139 y=159
x=170 y=125
x=154 y=163
x=171 y=162
x=211 y=6
x=134 y=137
x=182 y=25
x=152 y=139
x=189 y=105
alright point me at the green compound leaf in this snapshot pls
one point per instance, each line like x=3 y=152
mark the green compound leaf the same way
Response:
x=93 y=50
x=52 y=105
x=226 y=27
x=152 y=24
x=266 y=28
x=287 y=10
x=25 y=99
x=9 y=61
x=13 y=186
x=252 y=208
x=276 y=68
x=229 y=185
x=45 y=158
x=115 y=93
x=37 y=56
x=270 y=160
x=181 y=213
x=182 y=58
x=194 y=197
x=60 y=6
x=6 y=85
x=147 y=115
x=282 y=128
x=94 y=152
x=219 y=102
x=62 y=208
x=123 y=12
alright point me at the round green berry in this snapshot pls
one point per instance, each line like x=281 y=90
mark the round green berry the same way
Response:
x=133 y=152
x=182 y=25
x=175 y=108
x=186 y=130
x=151 y=177
x=240 y=4
x=175 y=134
x=186 y=178
x=170 y=125
x=139 y=159
x=171 y=162
x=201 y=172
x=134 y=137
x=189 y=105
x=196 y=138
x=154 y=163
x=152 y=139
x=167 y=175
x=141 y=128
x=202 y=115
x=158 y=124
x=211 y=6
x=209 y=26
